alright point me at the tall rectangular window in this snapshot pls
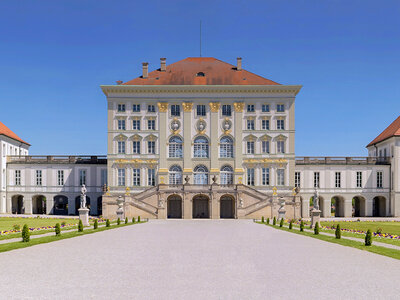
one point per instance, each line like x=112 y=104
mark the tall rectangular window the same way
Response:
x=201 y=110
x=280 y=108
x=250 y=176
x=250 y=125
x=151 y=124
x=151 y=177
x=175 y=110
x=121 y=147
x=151 y=147
x=17 y=177
x=60 y=177
x=121 y=124
x=250 y=108
x=82 y=177
x=297 y=179
x=136 y=147
x=250 y=147
x=265 y=146
x=151 y=108
x=103 y=177
x=280 y=173
x=136 y=124
x=136 y=177
x=280 y=124
x=316 y=179
x=121 y=107
x=280 y=146
x=359 y=179
x=265 y=124
x=136 y=107
x=338 y=179
x=38 y=177
x=265 y=108
x=265 y=176
x=121 y=177
x=379 y=179
x=226 y=110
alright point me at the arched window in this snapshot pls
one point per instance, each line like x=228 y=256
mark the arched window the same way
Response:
x=226 y=147
x=175 y=147
x=175 y=175
x=200 y=175
x=201 y=147
x=226 y=175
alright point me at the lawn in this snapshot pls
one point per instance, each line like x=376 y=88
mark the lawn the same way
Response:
x=7 y=223
x=389 y=227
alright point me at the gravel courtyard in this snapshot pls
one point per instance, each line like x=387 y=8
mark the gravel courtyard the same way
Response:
x=196 y=259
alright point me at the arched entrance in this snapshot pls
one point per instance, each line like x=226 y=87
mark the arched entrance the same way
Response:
x=358 y=204
x=60 y=205
x=174 y=207
x=227 y=207
x=337 y=206
x=379 y=206
x=39 y=204
x=17 y=203
x=201 y=208
x=78 y=204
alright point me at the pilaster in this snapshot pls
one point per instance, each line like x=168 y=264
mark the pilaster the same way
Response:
x=163 y=171
x=214 y=108
x=348 y=207
x=187 y=139
x=239 y=172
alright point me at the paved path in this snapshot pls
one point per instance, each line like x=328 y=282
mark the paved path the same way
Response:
x=203 y=259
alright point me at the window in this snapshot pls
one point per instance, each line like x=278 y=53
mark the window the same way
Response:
x=151 y=108
x=281 y=176
x=379 y=179
x=265 y=176
x=151 y=147
x=103 y=177
x=297 y=179
x=226 y=175
x=280 y=108
x=265 y=146
x=265 y=124
x=200 y=175
x=121 y=107
x=136 y=147
x=17 y=177
x=359 y=179
x=250 y=108
x=175 y=175
x=136 y=124
x=250 y=125
x=226 y=110
x=338 y=179
x=82 y=177
x=121 y=177
x=60 y=177
x=316 y=179
x=175 y=147
x=201 y=110
x=280 y=146
x=121 y=124
x=151 y=124
x=175 y=110
x=250 y=147
x=38 y=177
x=201 y=147
x=136 y=177
x=250 y=176
x=121 y=147
x=265 y=108
x=280 y=124
x=226 y=147
x=151 y=177
x=136 y=107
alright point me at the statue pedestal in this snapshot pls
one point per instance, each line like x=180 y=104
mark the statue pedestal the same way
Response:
x=84 y=216
x=120 y=213
x=315 y=216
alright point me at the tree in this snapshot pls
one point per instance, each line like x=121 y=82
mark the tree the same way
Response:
x=316 y=228
x=338 y=232
x=368 y=238
x=58 y=229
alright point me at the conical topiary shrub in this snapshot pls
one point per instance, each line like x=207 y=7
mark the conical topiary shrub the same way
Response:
x=338 y=233
x=291 y=224
x=301 y=225
x=118 y=221
x=95 y=224
x=133 y=220
x=57 y=229
x=108 y=224
x=281 y=223
x=126 y=220
x=274 y=221
x=26 y=235
x=262 y=219
x=268 y=221
x=316 y=228
x=368 y=238
x=80 y=226
x=138 y=219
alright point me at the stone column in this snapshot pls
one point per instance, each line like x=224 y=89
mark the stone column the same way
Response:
x=215 y=206
x=163 y=129
x=369 y=206
x=187 y=206
x=187 y=140
x=305 y=207
x=214 y=132
x=238 y=126
x=347 y=207
x=326 y=213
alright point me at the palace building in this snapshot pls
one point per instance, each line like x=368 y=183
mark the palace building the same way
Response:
x=201 y=138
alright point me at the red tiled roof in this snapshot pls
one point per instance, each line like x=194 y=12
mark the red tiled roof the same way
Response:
x=186 y=72
x=4 y=130
x=392 y=130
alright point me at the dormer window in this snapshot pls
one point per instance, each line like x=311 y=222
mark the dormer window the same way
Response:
x=200 y=74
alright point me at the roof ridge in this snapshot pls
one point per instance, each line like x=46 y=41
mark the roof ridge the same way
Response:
x=392 y=130
x=4 y=130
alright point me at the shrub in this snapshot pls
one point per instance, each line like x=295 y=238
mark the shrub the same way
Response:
x=126 y=220
x=316 y=228
x=368 y=238
x=108 y=223
x=301 y=225
x=133 y=220
x=281 y=223
x=291 y=224
x=274 y=221
x=138 y=219
x=16 y=227
x=338 y=233
x=118 y=221
x=262 y=219
x=268 y=221
x=26 y=234
x=379 y=231
x=95 y=224
x=80 y=226
x=63 y=223
x=58 y=229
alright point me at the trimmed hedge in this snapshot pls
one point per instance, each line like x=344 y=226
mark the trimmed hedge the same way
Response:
x=58 y=229
x=338 y=233
x=368 y=238
x=138 y=219
x=26 y=235
x=80 y=226
x=268 y=221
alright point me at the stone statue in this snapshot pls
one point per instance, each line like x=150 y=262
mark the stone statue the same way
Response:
x=214 y=179
x=316 y=198
x=187 y=179
x=83 y=196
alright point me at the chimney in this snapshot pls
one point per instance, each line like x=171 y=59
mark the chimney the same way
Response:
x=163 y=62
x=119 y=82
x=145 y=69
x=239 y=64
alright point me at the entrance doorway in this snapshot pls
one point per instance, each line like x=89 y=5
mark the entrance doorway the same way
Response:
x=227 y=207
x=17 y=204
x=201 y=207
x=174 y=207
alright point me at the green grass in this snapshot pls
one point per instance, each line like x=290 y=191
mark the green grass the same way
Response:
x=7 y=223
x=344 y=242
x=387 y=227
x=53 y=238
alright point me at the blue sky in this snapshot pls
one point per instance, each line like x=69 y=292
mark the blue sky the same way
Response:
x=54 y=55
